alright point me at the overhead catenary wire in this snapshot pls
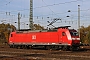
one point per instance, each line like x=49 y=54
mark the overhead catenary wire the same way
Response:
x=43 y=6
x=48 y=6
x=51 y=9
x=8 y=2
x=58 y=4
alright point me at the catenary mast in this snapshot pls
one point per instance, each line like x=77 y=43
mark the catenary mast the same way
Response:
x=31 y=15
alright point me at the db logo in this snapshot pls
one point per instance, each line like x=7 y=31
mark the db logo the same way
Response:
x=33 y=37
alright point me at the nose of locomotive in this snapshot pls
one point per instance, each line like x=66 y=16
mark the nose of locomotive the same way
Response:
x=75 y=41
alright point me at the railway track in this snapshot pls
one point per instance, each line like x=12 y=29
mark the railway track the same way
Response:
x=38 y=54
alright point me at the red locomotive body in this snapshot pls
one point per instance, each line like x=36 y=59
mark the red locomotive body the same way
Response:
x=61 y=37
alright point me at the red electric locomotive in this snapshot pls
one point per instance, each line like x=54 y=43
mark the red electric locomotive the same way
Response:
x=56 y=38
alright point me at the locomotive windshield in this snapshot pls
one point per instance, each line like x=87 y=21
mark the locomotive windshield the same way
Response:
x=74 y=33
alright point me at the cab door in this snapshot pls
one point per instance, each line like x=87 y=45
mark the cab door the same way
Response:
x=64 y=38
x=60 y=38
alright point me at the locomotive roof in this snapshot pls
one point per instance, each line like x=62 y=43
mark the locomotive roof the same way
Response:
x=62 y=27
x=29 y=30
x=24 y=30
x=46 y=30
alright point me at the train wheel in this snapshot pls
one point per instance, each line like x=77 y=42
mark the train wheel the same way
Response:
x=64 y=48
x=76 y=48
x=16 y=46
x=27 y=47
x=54 y=47
x=71 y=48
x=20 y=47
x=48 y=47
x=11 y=46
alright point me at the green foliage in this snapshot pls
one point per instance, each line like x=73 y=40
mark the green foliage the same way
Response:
x=5 y=30
x=85 y=34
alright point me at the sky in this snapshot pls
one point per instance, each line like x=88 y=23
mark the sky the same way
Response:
x=45 y=10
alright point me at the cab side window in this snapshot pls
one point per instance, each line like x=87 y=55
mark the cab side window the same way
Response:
x=11 y=35
x=63 y=34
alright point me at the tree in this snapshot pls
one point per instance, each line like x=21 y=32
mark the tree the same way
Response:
x=38 y=27
x=85 y=34
x=5 y=30
x=2 y=37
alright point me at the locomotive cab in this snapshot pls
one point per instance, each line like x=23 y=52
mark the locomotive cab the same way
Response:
x=69 y=38
x=75 y=37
